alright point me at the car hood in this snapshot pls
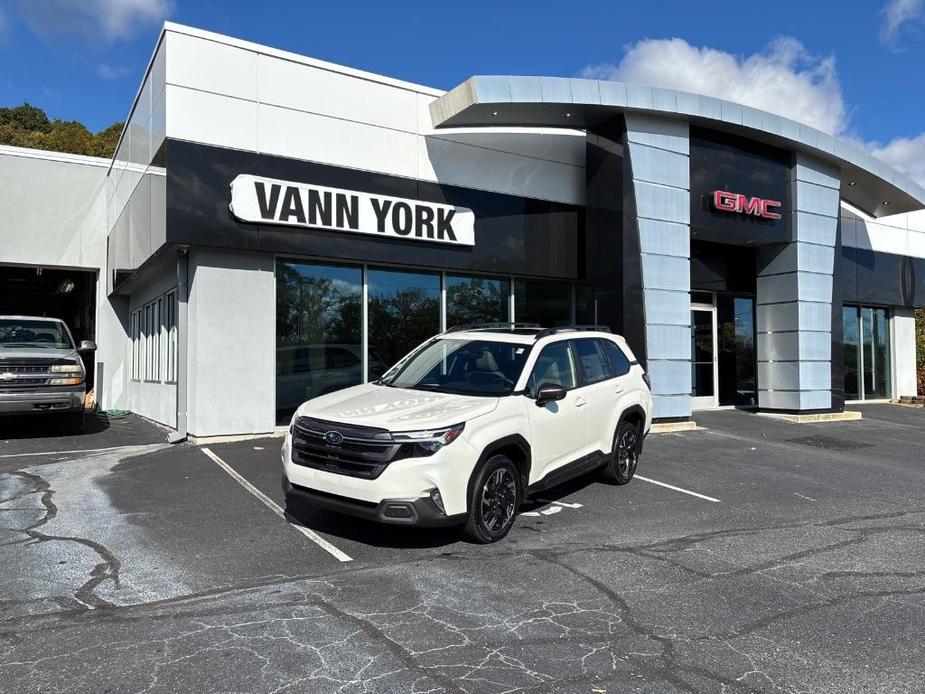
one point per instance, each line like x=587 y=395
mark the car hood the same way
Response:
x=396 y=409
x=37 y=354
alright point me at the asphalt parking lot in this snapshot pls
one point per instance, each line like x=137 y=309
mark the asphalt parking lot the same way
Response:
x=780 y=557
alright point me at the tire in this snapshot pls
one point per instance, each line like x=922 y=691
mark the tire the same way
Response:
x=493 y=500
x=624 y=455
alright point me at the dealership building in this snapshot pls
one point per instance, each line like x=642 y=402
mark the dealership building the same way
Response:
x=273 y=227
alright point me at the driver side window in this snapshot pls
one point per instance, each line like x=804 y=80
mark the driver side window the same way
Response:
x=555 y=365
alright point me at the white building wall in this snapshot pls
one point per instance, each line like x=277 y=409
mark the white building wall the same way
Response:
x=230 y=93
x=232 y=343
x=902 y=338
x=900 y=234
x=54 y=215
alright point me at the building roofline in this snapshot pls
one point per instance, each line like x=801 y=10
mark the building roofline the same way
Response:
x=485 y=101
x=50 y=155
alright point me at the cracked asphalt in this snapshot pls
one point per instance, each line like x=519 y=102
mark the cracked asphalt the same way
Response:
x=139 y=567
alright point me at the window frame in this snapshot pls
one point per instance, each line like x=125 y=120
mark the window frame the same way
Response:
x=576 y=367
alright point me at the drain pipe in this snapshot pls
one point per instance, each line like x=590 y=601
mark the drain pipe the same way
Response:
x=180 y=434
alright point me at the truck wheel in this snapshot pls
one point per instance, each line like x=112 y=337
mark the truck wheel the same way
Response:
x=493 y=500
x=624 y=455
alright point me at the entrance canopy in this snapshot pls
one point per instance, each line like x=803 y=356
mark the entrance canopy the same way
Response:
x=558 y=102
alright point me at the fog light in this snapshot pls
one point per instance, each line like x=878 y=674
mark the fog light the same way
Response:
x=438 y=500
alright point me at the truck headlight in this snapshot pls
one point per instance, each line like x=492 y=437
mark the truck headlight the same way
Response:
x=70 y=381
x=67 y=368
x=430 y=440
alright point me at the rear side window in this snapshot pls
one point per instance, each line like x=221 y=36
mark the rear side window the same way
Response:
x=594 y=364
x=555 y=366
x=619 y=364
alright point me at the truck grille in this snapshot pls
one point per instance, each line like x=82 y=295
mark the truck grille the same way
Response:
x=364 y=452
x=14 y=375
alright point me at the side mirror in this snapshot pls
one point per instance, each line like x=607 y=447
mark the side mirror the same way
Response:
x=87 y=346
x=549 y=392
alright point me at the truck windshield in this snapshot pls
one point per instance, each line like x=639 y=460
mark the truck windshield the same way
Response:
x=464 y=367
x=33 y=334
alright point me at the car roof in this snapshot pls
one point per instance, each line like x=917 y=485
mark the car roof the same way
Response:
x=529 y=336
x=38 y=318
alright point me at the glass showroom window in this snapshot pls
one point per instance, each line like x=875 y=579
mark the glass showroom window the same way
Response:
x=318 y=332
x=548 y=303
x=477 y=300
x=866 y=336
x=403 y=310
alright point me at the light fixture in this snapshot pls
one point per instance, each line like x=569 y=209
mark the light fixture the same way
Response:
x=568 y=114
x=66 y=287
x=852 y=184
x=495 y=114
x=886 y=202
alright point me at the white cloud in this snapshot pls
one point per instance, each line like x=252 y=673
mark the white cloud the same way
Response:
x=112 y=72
x=907 y=154
x=898 y=14
x=109 y=20
x=784 y=78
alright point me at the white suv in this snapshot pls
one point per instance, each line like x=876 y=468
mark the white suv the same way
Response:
x=471 y=422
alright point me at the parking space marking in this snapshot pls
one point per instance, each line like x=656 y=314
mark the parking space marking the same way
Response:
x=85 y=450
x=273 y=506
x=678 y=489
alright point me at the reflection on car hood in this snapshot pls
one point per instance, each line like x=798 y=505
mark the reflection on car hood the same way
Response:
x=396 y=409
x=35 y=353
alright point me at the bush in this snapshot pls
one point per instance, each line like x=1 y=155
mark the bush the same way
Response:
x=28 y=126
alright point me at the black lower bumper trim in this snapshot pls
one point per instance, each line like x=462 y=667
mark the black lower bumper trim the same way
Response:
x=421 y=512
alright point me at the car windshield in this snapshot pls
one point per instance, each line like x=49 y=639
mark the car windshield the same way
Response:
x=33 y=334
x=463 y=367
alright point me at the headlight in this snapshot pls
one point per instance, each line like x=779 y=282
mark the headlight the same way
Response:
x=431 y=440
x=67 y=368
x=70 y=381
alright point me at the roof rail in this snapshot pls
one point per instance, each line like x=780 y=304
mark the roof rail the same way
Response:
x=493 y=326
x=546 y=332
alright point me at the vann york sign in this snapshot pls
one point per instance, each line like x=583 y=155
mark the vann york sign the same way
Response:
x=270 y=201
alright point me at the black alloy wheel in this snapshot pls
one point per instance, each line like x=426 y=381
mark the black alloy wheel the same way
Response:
x=493 y=501
x=625 y=454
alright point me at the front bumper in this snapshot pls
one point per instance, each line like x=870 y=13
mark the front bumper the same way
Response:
x=408 y=481
x=68 y=399
x=421 y=512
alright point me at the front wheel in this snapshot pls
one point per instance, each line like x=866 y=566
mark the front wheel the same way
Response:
x=493 y=500
x=625 y=454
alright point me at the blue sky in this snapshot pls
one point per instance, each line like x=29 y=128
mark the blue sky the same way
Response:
x=855 y=68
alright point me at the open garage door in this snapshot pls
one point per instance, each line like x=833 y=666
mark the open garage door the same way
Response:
x=55 y=293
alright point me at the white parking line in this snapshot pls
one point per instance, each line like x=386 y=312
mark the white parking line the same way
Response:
x=273 y=506
x=41 y=453
x=678 y=489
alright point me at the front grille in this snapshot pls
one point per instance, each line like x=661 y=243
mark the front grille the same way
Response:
x=24 y=368
x=365 y=451
x=25 y=373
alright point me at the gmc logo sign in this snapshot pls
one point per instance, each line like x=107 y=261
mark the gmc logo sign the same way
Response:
x=742 y=204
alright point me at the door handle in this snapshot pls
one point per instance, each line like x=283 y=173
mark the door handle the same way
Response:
x=580 y=402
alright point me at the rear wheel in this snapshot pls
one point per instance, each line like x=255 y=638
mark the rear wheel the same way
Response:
x=625 y=454
x=493 y=500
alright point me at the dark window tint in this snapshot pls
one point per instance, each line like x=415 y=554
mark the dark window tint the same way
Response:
x=404 y=310
x=555 y=366
x=594 y=365
x=318 y=327
x=477 y=300
x=619 y=364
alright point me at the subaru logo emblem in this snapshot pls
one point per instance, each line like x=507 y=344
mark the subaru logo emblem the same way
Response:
x=335 y=438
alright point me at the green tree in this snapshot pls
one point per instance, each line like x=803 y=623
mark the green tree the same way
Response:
x=29 y=126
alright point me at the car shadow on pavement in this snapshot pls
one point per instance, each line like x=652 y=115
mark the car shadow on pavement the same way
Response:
x=50 y=426
x=402 y=537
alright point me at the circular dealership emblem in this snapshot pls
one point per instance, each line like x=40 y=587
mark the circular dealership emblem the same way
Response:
x=333 y=437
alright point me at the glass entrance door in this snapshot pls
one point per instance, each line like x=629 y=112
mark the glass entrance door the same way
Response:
x=866 y=337
x=703 y=356
x=736 y=366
